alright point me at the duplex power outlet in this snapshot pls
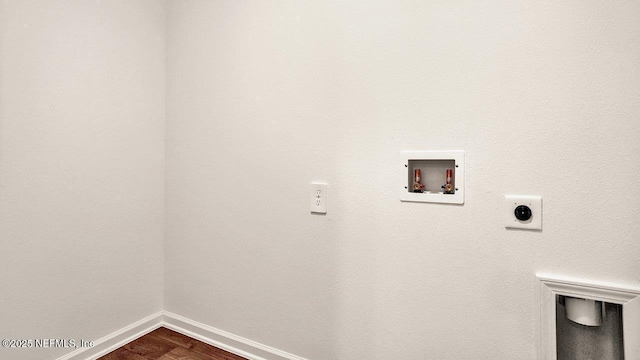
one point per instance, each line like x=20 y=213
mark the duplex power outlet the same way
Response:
x=319 y=198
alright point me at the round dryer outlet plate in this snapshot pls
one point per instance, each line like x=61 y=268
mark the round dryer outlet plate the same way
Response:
x=533 y=202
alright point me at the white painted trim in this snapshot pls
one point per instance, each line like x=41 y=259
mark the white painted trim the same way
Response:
x=550 y=286
x=219 y=338
x=116 y=339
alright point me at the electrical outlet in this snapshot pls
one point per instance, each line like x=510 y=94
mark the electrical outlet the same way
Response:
x=319 y=198
x=523 y=212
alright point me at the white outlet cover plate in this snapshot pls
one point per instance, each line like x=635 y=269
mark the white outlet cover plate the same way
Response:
x=318 y=198
x=534 y=202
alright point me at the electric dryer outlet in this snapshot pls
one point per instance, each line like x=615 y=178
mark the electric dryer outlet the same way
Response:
x=523 y=212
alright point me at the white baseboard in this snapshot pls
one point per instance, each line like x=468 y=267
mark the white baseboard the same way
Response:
x=221 y=339
x=116 y=339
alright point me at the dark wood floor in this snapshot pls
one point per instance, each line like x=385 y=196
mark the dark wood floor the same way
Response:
x=165 y=344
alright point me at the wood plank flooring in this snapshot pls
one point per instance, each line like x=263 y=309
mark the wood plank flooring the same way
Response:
x=165 y=344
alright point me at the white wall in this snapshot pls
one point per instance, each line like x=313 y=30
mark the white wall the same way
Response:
x=82 y=94
x=266 y=96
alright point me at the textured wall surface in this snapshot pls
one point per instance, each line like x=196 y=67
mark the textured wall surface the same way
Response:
x=266 y=96
x=81 y=168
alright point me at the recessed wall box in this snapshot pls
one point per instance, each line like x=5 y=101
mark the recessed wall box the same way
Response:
x=432 y=176
x=618 y=335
